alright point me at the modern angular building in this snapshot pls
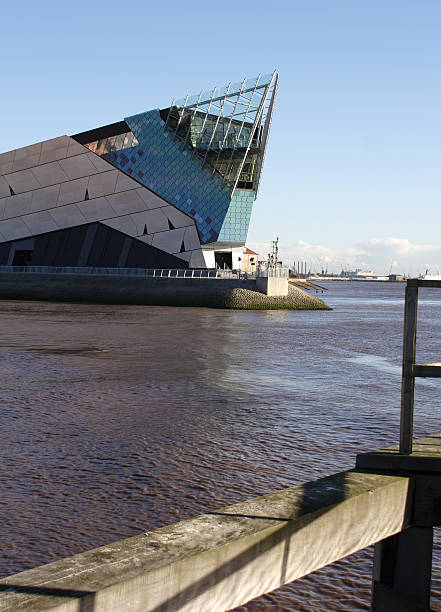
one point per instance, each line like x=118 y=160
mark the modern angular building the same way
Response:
x=168 y=188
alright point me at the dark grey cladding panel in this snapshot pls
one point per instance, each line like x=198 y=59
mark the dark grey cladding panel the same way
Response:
x=59 y=248
x=156 y=258
x=108 y=249
x=4 y=253
x=107 y=246
x=87 y=244
x=72 y=245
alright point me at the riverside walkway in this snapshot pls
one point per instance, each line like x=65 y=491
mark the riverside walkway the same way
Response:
x=226 y=557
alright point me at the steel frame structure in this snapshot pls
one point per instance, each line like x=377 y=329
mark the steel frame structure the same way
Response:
x=247 y=105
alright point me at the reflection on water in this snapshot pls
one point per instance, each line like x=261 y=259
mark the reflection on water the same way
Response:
x=119 y=419
x=376 y=361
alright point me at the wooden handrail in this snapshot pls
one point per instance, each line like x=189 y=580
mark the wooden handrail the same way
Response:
x=412 y=370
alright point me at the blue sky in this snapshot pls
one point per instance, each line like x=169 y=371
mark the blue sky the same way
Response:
x=352 y=172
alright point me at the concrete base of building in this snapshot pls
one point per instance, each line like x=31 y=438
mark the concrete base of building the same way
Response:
x=273 y=286
x=197 y=292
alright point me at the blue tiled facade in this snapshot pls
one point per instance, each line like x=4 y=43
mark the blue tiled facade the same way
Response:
x=237 y=219
x=160 y=163
x=202 y=154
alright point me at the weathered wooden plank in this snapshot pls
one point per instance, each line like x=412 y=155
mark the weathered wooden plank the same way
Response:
x=425 y=457
x=386 y=599
x=416 y=282
x=402 y=572
x=427 y=370
x=393 y=461
x=427 y=500
x=424 y=448
x=408 y=381
x=224 y=558
x=434 y=440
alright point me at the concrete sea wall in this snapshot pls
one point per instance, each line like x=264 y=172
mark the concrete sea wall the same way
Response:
x=199 y=292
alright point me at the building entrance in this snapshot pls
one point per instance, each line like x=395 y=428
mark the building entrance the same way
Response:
x=223 y=260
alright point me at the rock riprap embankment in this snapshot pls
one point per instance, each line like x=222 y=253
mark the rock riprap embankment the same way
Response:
x=297 y=299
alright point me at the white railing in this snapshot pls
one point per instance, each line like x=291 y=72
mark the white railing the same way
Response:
x=262 y=271
x=139 y=272
x=272 y=272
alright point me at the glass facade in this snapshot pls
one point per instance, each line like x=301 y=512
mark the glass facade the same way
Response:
x=113 y=143
x=237 y=219
x=225 y=129
x=159 y=163
x=203 y=154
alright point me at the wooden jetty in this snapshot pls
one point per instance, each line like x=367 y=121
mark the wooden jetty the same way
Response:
x=224 y=558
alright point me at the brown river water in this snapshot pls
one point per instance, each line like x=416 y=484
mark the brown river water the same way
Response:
x=121 y=419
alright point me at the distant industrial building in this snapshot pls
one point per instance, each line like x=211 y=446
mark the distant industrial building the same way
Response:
x=168 y=188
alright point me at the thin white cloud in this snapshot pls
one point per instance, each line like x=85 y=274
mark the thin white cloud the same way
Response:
x=382 y=255
x=400 y=246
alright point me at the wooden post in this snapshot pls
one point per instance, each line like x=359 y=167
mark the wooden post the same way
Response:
x=408 y=380
x=402 y=572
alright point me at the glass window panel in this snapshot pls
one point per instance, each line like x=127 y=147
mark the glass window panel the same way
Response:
x=250 y=83
x=265 y=79
x=127 y=142
x=117 y=142
x=206 y=96
x=192 y=100
x=101 y=146
x=221 y=91
x=113 y=143
x=236 y=87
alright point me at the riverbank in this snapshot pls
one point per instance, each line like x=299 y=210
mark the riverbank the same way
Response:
x=238 y=294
